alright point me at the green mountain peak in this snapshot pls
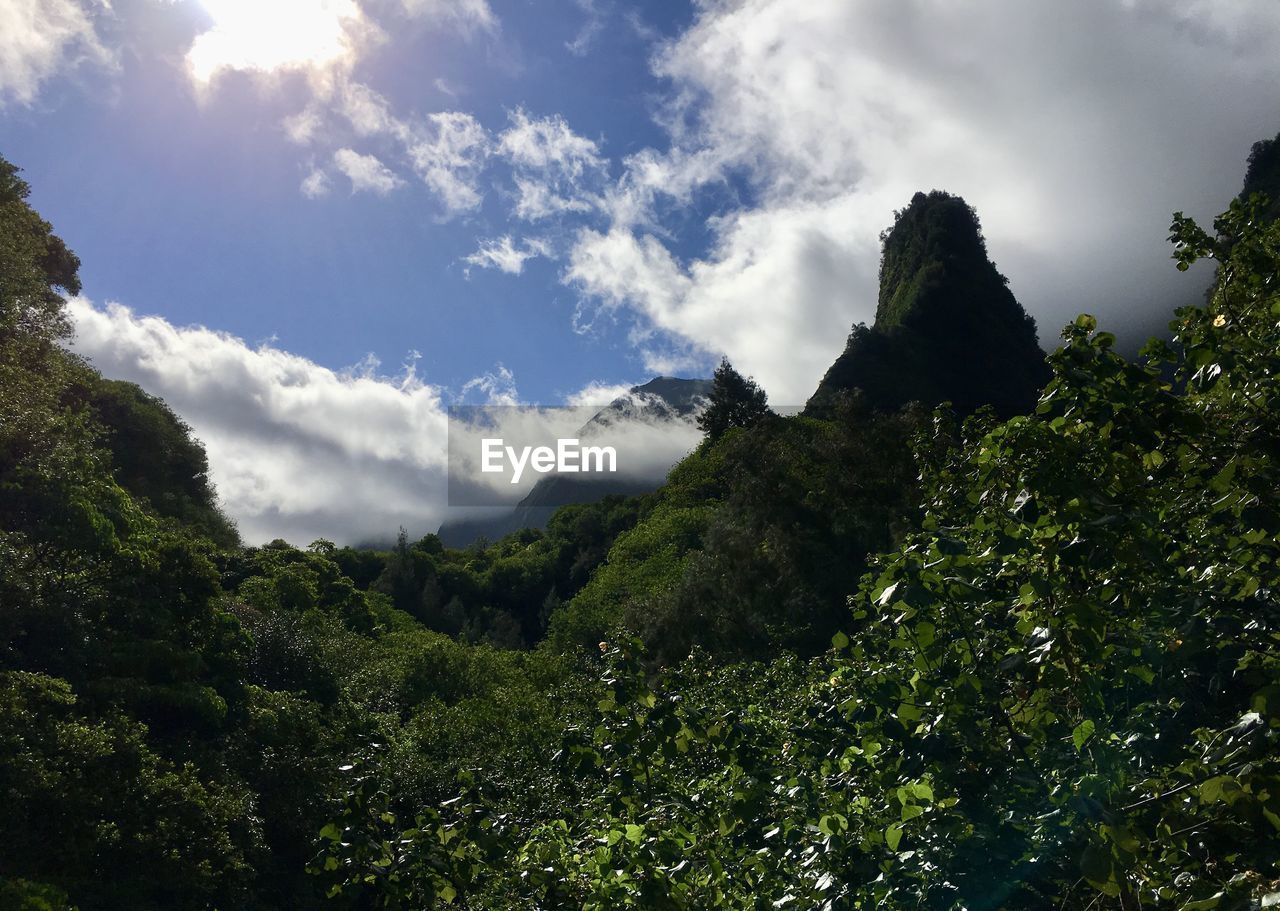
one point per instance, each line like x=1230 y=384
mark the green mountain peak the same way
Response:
x=947 y=326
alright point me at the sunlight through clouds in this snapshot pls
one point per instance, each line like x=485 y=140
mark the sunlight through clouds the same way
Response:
x=271 y=35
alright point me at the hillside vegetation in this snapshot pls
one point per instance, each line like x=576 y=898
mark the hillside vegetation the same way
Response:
x=1022 y=651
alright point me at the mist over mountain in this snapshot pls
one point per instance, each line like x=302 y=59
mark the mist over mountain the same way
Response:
x=662 y=400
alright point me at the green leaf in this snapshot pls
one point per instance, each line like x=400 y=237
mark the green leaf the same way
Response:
x=922 y=791
x=1211 y=790
x=1221 y=482
x=840 y=641
x=893 y=836
x=1143 y=673
x=832 y=823
x=1083 y=731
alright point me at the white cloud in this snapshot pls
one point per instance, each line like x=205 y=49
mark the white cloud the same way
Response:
x=305 y=125
x=366 y=110
x=464 y=14
x=498 y=387
x=547 y=143
x=40 y=38
x=591 y=28
x=504 y=254
x=296 y=450
x=315 y=184
x=300 y=451
x=365 y=172
x=598 y=394
x=620 y=267
x=447 y=152
x=555 y=170
x=1074 y=135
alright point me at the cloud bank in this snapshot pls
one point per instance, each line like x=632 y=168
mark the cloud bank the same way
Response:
x=297 y=450
x=1075 y=133
x=302 y=452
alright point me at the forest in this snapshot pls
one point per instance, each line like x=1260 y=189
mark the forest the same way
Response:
x=980 y=628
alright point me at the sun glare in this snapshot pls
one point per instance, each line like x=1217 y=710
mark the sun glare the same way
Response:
x=271 y=35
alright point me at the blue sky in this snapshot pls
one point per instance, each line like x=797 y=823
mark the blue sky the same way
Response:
x=311 y=225
x=190 y=207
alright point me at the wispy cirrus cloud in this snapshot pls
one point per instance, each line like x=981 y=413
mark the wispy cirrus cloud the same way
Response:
x=42 y=38
x=555 y=170
x=506 y=255
x=447 y=152
x=365 y=172
x=546 y=168
x=591 y=27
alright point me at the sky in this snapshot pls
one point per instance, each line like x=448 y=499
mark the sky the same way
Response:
x=312 y=225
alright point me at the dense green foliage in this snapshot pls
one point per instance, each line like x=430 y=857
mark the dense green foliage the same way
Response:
x=502 y=593
x=155 y=458
x=173 y=709
x=756 y=539
x=863 y=657
x=1063 y=690
x=947 y=327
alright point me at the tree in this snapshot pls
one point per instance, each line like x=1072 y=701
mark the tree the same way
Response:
x=1062 y=690
x=398 y=580
x=736 y=401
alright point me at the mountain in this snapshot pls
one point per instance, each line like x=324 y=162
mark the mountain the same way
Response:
x=947 y=326
x=1263 y=174
x=663 y=398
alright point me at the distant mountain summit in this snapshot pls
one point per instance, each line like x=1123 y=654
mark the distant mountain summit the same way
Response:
x=947 y=326
x=662 y=398
x=665 y=398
